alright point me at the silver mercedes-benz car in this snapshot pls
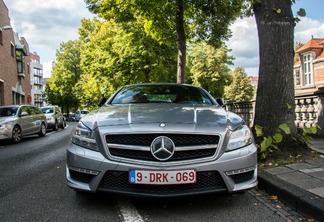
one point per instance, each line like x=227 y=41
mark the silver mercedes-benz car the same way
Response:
x=161 y=140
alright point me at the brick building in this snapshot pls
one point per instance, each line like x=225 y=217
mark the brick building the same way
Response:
x=309 y=69
x=14 y=63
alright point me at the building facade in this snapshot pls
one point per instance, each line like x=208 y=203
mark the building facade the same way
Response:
x=14 y=63
x=36 y=81
x=309 y=68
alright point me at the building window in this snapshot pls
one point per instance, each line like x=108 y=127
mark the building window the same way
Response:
x=12 y=48
x=20 y=61
x=308 y=69
x=297 y=77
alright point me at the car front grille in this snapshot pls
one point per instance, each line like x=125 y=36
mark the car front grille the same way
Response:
x=195 y=141
x=117 y=181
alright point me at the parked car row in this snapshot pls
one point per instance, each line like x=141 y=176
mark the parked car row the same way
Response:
x=18 y=121
x=77 y=115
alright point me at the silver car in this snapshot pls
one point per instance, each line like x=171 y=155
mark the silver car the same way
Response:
x=17 y=121
x=54 y=117
x=161 y=140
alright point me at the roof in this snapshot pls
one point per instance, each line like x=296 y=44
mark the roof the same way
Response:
x=314 y=43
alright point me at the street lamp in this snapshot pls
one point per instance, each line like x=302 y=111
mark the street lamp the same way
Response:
x=6 y=27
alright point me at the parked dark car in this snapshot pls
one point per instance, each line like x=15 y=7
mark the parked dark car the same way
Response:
x=54 y=117
x=161 y=140
x=17 y=121
x=70 y=118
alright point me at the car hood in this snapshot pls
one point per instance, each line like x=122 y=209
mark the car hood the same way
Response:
x=113 y=115
x=6 y=119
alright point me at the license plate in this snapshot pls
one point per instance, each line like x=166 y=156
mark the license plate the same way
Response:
x=165 y=177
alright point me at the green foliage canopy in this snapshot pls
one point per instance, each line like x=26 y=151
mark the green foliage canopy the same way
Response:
x=60 y=89
x=240 y=89
x=209 y=67
x=173 y=22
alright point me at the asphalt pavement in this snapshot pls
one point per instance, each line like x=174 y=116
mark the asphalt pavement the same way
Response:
x=299 y=185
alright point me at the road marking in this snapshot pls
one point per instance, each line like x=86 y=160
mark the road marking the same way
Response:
x=127 y=211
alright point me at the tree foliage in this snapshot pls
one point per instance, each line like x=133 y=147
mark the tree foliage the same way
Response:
x=113 y=55
x=240 y=88
x=60 y=89
x=208 y=67
x=173 y=22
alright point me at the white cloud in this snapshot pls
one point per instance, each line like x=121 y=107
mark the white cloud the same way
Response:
x=45 y=24
x=244 y=42
x=244 y=45
x=47 y=69
x=307 y=28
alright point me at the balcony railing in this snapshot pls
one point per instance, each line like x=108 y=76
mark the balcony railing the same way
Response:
x=306 y=110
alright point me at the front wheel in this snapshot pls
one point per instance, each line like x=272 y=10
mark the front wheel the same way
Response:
x=42 y=130
x=16 y=134
x=55 y=126
x=63 y=124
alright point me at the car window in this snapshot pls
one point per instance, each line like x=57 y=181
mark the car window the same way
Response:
x=84 y=112
x=47 y=110
x=36 y=110
x=7 y=111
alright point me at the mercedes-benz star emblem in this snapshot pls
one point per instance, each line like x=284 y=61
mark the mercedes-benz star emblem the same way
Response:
x=162 y=148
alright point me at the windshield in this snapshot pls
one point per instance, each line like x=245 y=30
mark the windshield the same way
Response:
x=46 y=110
x=171 y=93
x=8 y=111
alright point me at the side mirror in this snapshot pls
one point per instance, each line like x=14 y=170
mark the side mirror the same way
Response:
x=24 y=114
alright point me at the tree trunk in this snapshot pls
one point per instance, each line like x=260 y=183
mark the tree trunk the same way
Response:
x=181 y=68
x=275 y=101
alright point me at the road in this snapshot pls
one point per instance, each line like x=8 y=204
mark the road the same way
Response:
x=33 y=188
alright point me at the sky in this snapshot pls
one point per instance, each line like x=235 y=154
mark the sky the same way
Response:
x=47 y=23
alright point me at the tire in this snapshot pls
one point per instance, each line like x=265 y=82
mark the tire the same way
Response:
x=16 y=134
x=63 y=124
x=55 y=126
x=42 y=131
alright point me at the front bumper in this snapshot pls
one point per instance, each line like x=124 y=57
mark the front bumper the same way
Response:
x=90 y=171
x=6 y=132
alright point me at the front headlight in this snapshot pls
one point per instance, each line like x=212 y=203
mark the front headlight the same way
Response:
x=83 y=136
x=240 y=138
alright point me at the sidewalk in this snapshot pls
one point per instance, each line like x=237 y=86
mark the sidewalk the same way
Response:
x=300 y=185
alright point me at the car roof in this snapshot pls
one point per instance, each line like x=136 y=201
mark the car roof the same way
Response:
x=17 y=105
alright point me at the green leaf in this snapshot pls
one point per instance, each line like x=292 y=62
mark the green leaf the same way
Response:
x=301 y=12
x=277 y=137
x=274 y=146
x=267 y=141
x=258 y=130
x=284 y=127
x=296 y=19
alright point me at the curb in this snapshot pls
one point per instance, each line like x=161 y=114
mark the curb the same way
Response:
x=298 y=199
